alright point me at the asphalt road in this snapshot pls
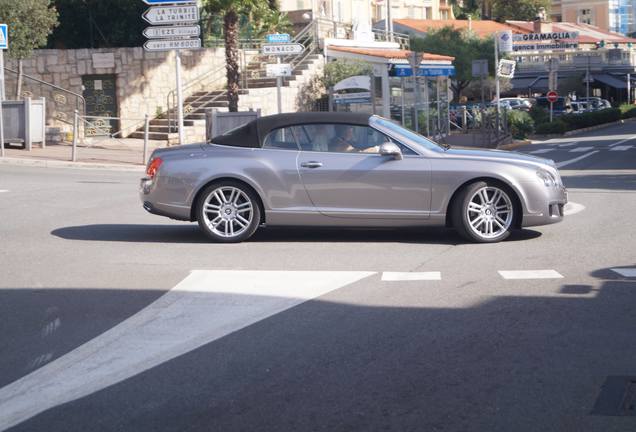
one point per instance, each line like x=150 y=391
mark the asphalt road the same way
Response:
x=114 y=319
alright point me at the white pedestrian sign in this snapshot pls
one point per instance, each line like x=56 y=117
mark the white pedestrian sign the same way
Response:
x=166 y=32
x=184 y=14
x=278 y=70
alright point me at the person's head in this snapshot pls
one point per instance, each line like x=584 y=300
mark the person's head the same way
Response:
x=344 y=131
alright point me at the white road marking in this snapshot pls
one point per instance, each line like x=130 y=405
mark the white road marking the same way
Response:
x=411 y=276
x=581 y=149
x=617 y=143
x=625 y=272
x=576 y=159
x=541 y=151
x=573 y=208
x=621 y=148
x=205 y=306
x=569 y=144
x=3 y=190
x=530 y=274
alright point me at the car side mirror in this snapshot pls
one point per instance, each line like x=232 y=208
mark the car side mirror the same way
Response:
x=392 y=150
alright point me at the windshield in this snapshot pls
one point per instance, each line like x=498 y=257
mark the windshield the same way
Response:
x=413 y=139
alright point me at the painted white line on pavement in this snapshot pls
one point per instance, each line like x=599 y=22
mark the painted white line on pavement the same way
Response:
x=573 y=208
x=625 y=272
x=411 y=276
x=576 y=159
x=530 y=274
x=3 y=190
x=617 y=143
x=621 y=148
x=205 y=306
x=569 y=144
x=581 y=149
x=541 y=151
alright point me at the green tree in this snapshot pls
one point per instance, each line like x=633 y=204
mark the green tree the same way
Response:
x=336 y=71
x=518 y=10
x=30 y=24
x=462 y=45
x=99 y=24
x=231 y=10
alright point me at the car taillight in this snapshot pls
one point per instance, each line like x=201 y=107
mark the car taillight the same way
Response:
x=153 y=166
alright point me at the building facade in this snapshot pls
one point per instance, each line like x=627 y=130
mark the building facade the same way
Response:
x=610 y=15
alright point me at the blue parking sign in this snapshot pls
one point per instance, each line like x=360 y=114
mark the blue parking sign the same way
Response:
x=4 y=36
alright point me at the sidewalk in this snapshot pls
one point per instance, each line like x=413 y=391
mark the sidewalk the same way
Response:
x=115 y=153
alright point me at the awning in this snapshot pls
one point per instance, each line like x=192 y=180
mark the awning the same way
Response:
x=611 y=80
x=536 y=83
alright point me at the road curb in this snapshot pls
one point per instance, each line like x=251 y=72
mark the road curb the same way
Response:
x=48 y=163
x=515 y=144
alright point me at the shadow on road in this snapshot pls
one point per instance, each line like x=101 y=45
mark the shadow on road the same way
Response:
x=609 y=181
x=506 y=363
x=190 y=233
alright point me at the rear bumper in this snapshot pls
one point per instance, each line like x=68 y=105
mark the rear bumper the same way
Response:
x=152 y=203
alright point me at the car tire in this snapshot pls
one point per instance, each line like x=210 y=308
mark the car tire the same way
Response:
x=484 y=212
x=228 y=212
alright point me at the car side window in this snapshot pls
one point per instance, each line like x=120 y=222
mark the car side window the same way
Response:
x=282 y=138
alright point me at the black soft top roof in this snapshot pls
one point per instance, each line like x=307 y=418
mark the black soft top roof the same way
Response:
x=253 y=133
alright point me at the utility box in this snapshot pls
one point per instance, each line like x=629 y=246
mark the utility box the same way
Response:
x=24 y=122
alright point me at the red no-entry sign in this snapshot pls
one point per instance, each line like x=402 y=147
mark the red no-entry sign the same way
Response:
x=552 y=96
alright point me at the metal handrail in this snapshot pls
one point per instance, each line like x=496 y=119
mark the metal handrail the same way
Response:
x=77 y=95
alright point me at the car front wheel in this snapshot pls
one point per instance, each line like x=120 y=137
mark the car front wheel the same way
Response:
x=484 y=212
x=228 y=212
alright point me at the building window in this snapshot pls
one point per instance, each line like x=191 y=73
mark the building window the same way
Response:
x=585 y=16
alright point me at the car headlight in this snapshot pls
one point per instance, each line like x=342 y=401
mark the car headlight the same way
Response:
x=549 y=179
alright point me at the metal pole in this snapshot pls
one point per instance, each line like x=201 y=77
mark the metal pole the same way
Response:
x=427 y=104
x=587 y=80
x=279 y=83
x=551 y=106
x=146 y=130
x=416 y=88
x=629 y=88
x=402 y=86
x=1 y=100
x=388 y=20
x=497 y=83
x=75 y=135
x=179 y=99
x=2 y=91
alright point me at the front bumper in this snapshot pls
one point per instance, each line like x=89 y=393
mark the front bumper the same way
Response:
x=546 y=206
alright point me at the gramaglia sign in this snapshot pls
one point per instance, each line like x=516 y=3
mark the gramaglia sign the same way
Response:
x=545 y=47
x=541 y=37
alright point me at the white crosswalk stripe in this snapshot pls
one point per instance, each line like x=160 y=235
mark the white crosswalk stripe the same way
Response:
x=581 y=149
x=411 y=276
x=569 y=144
x=204 y=307
x=621 y=148
x=530 y=274
x=3 y=191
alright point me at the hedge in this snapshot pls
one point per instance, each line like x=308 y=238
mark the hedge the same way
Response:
x=556 y=127
x=628 y=110
x=570 y=122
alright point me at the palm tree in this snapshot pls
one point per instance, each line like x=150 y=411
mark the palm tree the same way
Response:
x=230 y=10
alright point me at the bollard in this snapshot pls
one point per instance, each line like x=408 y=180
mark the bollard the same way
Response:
x=146 y=129
x=75 y=134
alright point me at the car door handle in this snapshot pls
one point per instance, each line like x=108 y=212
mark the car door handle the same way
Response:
x=311 y=164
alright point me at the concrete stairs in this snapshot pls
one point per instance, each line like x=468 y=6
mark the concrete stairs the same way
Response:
x=195 y=105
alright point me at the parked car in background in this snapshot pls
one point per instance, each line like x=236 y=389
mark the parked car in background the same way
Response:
x=579 y=107
x=560 y=107
x=347 y=170
x=518 y=103
x=595 y=103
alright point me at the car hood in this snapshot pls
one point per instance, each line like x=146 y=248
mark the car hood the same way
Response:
x=498 y=156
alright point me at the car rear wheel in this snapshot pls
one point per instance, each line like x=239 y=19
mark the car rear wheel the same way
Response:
x=228 y=212
x=484 y=212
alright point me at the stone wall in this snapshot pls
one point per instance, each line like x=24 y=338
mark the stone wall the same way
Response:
x=143 y=79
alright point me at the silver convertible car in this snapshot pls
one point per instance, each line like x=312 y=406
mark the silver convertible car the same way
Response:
x=347 y=170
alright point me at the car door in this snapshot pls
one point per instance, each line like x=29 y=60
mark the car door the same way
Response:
x=357 y=182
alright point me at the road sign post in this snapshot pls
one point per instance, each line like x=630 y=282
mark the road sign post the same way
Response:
x=279 y=44
x=170 y=31
x=4 y=44
x=552 y=98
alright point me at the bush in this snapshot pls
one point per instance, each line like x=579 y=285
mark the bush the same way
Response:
x=521 y=124
x=539 y=114
x=627 y=110
x=579 y=121
x=556 y=127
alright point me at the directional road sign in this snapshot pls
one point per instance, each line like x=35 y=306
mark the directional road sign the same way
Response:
x=278 y=38
x=183 y=14
x=283 y=49
x=166 y=2
x=4 y=36
x=164 y=32
x=171 y=44
x=278 y=70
